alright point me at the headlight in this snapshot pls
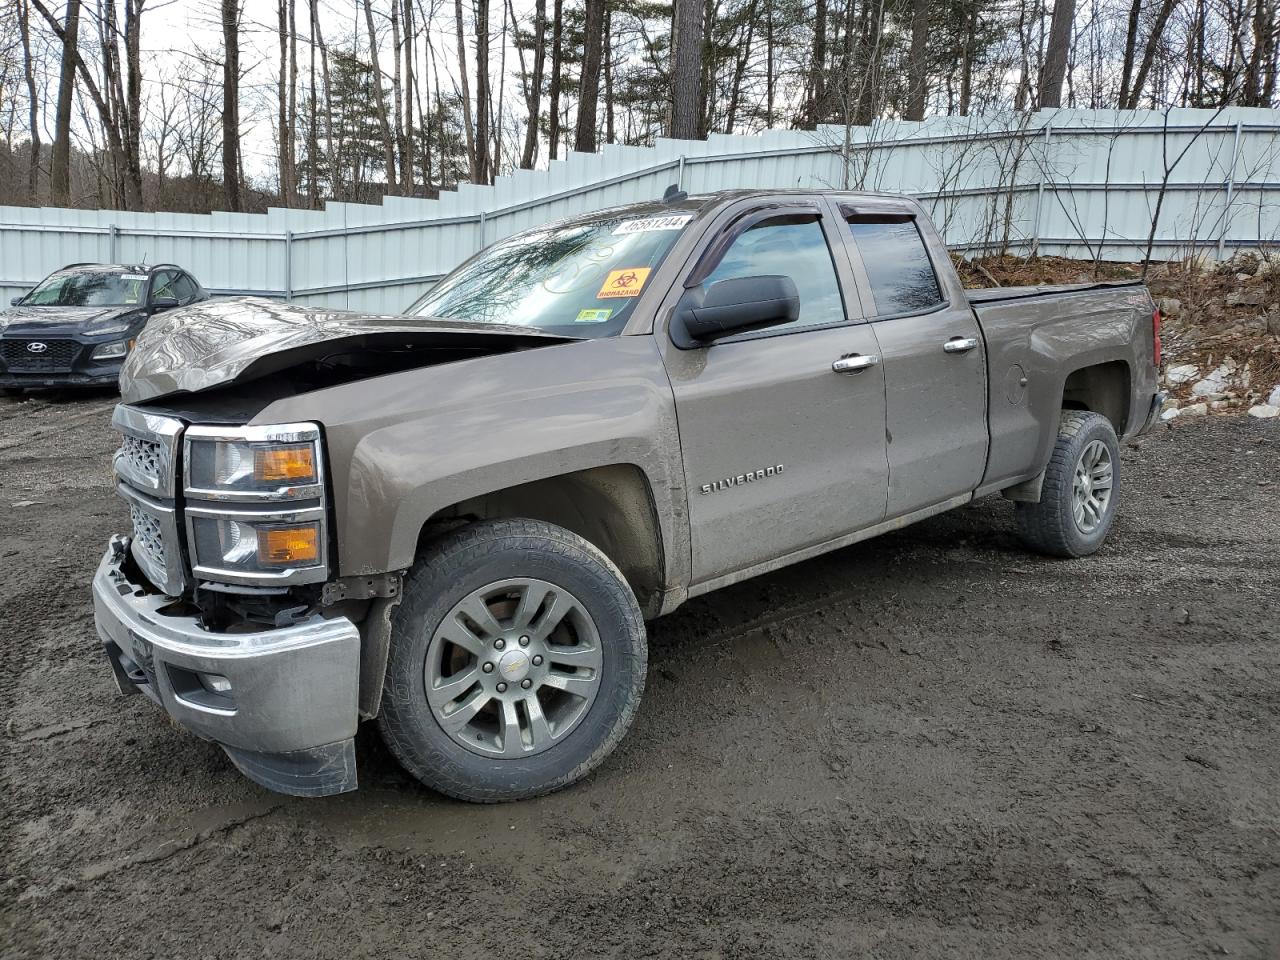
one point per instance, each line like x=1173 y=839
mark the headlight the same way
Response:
x=111 y=351
x=255 y=503
x=278 y=462
x=248 y=547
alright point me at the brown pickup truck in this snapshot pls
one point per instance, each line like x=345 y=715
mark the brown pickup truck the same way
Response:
x=457 y=521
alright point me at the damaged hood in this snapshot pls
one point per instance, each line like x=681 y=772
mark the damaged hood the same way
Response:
x=238 y=339
x=18 y=320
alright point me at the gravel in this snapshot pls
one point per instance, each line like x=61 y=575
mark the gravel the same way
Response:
x=933 y=744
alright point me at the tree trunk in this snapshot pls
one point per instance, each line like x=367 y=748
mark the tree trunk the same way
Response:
x=231 y=102
x=966 y=69
x=533 y=93
x=60 y=171
x=686 y=73
x=482 y=91
x=1130 y=51
x=284 y=106
x=33 y=104
x=407 y=186
x=869 y=103
x=1055 y=61
x=557 y=75
x=589 y=89
x=607 y=67
x=918 y=75
x=379 y=102
x=818 y=68
x=468 y=125
x=1149 y=54
x=739 y=69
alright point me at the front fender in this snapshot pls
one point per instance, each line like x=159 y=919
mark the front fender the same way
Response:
x=404 y=446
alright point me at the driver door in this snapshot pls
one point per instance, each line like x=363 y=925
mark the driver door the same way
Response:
x=781 y=451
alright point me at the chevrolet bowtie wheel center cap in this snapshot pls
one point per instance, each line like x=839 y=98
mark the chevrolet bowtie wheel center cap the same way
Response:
x=513 y=666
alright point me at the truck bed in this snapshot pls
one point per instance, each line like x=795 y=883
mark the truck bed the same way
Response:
x=981 y=295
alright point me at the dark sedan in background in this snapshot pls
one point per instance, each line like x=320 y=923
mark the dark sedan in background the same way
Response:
x=75 y=328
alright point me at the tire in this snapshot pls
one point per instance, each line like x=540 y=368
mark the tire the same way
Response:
x=597 y=652
x=1052 y=525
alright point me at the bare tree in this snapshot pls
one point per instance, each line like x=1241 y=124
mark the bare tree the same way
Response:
x=557 y=78
x=231 y=102
x=918 y=74
x=33 y=98
x=60 y=168
x=379 y=102
x=533 y=86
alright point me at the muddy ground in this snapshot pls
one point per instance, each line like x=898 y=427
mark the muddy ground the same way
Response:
x=932 y=744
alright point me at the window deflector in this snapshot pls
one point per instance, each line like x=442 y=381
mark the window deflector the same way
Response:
x=714 y=253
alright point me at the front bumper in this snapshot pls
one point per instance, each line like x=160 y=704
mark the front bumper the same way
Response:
x=289 y=719
x=36 y=381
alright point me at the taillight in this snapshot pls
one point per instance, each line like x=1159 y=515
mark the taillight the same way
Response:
x=1156 y=347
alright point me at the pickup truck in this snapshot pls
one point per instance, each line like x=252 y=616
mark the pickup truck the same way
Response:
x=456 y=522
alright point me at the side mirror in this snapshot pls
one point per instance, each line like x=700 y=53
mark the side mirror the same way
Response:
x=15 y=301
x=163 y=303
x=734 y=306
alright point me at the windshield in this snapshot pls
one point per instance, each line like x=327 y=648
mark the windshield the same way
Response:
x=578 y=280
x=89 y=288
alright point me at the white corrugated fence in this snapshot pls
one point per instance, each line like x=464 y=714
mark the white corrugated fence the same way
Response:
x=1070 y=182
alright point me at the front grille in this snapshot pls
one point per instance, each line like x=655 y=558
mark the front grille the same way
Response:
x=146 y=468
x=145 y=457
x=56 y=355
x=148 y=537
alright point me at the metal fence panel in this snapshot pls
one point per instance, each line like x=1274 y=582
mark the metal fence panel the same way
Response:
x=1069 y=182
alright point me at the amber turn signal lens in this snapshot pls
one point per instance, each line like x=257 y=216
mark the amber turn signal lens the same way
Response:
x=296 y=464
x=287 y=545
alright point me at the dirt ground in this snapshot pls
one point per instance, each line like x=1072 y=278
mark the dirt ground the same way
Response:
x=932 y=744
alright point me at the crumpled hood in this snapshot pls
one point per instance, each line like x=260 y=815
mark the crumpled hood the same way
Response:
x=238 y=339
x=34 y=319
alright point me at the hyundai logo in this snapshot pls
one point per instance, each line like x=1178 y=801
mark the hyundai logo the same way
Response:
x=35 y=346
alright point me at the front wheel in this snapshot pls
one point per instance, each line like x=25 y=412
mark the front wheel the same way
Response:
x=1081 y=489
x=517 y=662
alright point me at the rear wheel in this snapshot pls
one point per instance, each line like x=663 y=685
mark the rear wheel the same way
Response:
x=1081 y=489
x=517 y=662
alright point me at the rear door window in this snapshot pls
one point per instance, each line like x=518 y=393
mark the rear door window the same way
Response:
x=897 y=264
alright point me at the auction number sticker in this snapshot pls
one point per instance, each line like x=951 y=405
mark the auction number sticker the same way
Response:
x=674 y=221
x=623 y=283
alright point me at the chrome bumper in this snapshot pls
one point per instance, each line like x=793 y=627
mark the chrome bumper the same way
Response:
x=289 y=716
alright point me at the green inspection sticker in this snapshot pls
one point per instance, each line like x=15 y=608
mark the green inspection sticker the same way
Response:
x=593 y=316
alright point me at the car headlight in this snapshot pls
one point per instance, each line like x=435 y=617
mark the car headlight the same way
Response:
x=255 y=503
x=111 y=351
x=244 y=546
x=277 y=462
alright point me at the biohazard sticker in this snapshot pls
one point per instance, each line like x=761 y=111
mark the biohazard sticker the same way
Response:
x=674 y=221
x=593 y=316
x=623 y=283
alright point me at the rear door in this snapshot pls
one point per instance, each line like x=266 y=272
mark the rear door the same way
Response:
x=932 y=353
x=781 y=451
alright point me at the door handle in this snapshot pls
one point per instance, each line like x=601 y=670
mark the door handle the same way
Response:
x=855 y=364
x=960 y=344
